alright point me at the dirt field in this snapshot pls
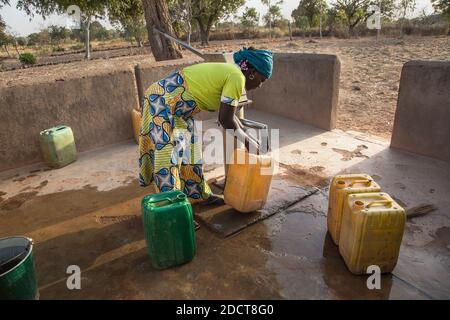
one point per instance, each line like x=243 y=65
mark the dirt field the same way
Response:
x=77 y=55
x=370 y=72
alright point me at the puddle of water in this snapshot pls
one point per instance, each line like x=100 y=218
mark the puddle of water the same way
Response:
x=40 y=211
x=349 y=155
x=287 y=256
x=441 y=241
x=376 y=177
x=115 y=219
x=19 y=199
x=1 y=196
x=308 y=264
x=304 y=176
x=19 y=179
x=102 y=233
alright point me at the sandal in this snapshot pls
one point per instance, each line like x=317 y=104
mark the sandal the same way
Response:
x=213 y=200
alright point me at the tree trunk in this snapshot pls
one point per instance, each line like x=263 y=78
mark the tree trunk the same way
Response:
x=189 y=19
x=157 y=15
x=270 y=22
x=204 y=32
x=204 y=37
x=6 y=49
x=270 y=27
x=138 y=39
x=15 y=46
x=189 y=33
x=87 y=40
x=402 y=21
x=290 y=31
x=351 y=30
x=320 y=26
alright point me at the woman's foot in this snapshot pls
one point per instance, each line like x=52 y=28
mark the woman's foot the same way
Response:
x=196 y=225
x=213 y=199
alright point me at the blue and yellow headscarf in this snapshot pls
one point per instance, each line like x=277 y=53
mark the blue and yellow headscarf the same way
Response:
x=262 y=60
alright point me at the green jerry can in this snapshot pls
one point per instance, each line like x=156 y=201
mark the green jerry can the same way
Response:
x=17 y=269
x=169 y=228
x=58 y=146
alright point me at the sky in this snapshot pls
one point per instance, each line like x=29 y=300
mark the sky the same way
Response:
x=21 y=24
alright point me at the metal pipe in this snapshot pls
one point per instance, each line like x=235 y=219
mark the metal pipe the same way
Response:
x=140 y=89
x=181 y=43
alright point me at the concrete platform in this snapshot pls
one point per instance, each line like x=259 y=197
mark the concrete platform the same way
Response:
x=88 y=214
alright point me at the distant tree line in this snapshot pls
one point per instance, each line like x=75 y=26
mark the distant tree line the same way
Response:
x=135 y=20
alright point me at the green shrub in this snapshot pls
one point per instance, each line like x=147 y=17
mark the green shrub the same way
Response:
x=27 y=58
x=77 y=47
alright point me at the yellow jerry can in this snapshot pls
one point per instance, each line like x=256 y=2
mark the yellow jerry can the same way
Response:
x=340 y=187
x=371 y=232
x=136 y=120
x=248 y=181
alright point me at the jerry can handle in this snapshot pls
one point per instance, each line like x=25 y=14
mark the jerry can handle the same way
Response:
x=388 y=202
x=366 y=181
x=177 y=197
x=171 y=200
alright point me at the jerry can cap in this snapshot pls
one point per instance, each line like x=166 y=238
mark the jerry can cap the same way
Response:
x=358 y=205
x=340 y=184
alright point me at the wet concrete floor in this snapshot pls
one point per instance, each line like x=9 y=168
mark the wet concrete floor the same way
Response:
x=287 y=256
x=75 y=220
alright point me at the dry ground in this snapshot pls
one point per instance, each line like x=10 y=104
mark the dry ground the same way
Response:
x=370 y=71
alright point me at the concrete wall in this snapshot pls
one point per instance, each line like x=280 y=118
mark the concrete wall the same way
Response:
x=422 y=118
x=151 y=74
x=97 y=108
x=303 y=87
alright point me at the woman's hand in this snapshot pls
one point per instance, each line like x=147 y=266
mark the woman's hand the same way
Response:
x=229 y=120
x=252 y=145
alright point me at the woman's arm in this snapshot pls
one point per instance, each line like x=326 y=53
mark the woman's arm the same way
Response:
x=239 y=123
x=229 y=120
